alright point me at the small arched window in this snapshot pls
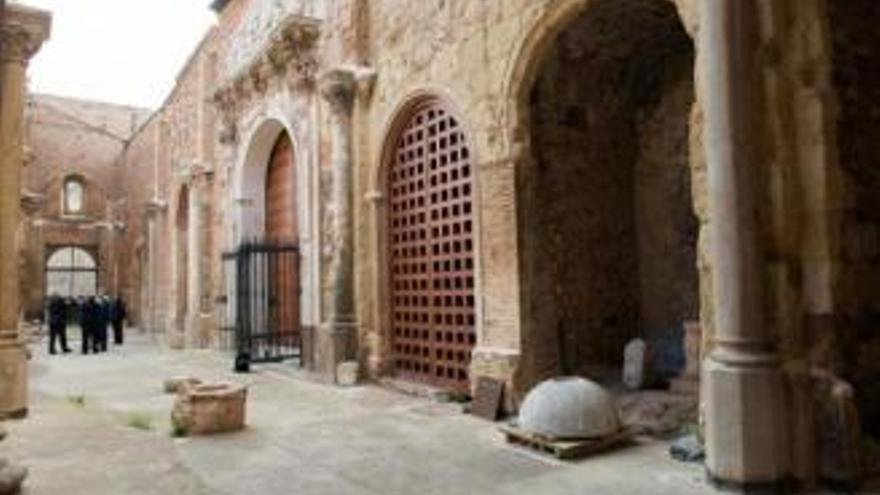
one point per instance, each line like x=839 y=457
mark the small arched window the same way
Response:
x=74 y=195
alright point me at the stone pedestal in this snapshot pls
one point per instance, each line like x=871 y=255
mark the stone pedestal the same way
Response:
x=13 y=379
x=333 y=344
x=746 y=425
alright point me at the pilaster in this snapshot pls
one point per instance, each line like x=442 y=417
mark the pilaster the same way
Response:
x=335 y=340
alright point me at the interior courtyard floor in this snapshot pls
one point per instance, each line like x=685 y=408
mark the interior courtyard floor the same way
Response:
x=99 y=425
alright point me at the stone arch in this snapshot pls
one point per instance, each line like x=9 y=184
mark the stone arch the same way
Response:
x=598 y=167
x=71 y=271
x=537 y=41
x=383 y=357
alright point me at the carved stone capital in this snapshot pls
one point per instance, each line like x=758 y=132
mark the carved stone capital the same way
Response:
x=22 y=31
x=155 y=207
x=337 y=86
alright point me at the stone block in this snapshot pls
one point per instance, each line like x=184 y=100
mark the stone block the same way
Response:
x=635 y=364
x=11 y=477
x=838 y=430
x=210 y=408
x=347 y=373
x=177 y=384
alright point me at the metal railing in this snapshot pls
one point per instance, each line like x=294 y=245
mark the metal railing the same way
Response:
x=262 y=320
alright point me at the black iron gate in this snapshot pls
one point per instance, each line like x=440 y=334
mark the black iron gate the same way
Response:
x=262 y=303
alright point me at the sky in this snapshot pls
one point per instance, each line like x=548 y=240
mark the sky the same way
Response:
x=118 y=51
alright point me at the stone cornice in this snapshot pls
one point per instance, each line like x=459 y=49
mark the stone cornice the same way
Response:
x=22 y=31
x=289 y=56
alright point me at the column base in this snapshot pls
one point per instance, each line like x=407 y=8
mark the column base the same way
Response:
x=13 y=380
x=757 y=488
x=198 y=332
x=745 y=424
x=332 y=343
x=500 y=364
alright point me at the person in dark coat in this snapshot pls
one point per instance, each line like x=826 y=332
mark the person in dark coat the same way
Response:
x=102 y=322
x=57 y=316
x=118 y=314
x=87 y=310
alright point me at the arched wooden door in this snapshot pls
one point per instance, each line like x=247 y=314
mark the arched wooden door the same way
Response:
x=431 y=250
x=282 y=232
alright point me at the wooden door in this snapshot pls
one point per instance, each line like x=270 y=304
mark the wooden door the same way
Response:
x=281 y=228
x=431 y=250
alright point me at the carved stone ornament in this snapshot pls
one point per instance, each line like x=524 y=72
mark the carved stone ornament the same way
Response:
x=22 y=31
x=289 y=56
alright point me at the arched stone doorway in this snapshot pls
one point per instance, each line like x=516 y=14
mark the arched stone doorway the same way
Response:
x=273 y=240
x=429 y=246
x=607 y=231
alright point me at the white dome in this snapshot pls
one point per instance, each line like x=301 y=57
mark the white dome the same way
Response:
x=569 y=407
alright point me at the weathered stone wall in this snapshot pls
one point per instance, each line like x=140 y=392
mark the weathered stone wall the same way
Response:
x=82 y=139
x=139 y=185
x=856 y=78
x=666 y=224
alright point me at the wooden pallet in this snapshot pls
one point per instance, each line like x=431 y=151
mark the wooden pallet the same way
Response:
x=563 y=449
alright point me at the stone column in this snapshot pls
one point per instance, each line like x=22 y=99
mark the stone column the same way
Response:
x=335 y=339
x=21 y=33
x=744 y=401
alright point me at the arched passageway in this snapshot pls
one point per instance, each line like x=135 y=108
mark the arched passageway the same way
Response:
x=607 y=230
x=430 y=247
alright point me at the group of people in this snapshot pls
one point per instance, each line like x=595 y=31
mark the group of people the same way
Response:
x=96 y=314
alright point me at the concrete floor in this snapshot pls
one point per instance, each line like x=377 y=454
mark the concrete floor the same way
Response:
x=302 y=438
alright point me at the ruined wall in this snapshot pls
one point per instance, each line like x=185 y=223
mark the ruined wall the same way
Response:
x=856 y=78
x=73 y=138
x=667 y=227
x=577 y=220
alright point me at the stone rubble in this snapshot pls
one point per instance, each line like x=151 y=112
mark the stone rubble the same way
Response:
x=210 y=408
x=12 y=476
